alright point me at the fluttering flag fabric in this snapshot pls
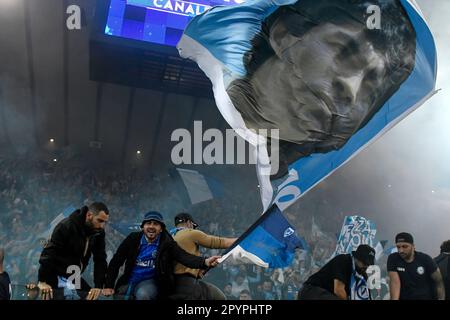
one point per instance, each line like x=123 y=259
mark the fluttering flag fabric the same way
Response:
x=199 y=187
x=356 y=230
x=270 y=242
x=312 y=83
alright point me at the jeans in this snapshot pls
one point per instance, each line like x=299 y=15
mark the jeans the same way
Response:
x=144 y=290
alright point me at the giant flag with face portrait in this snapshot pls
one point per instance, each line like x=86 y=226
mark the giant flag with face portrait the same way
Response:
x=332 y=76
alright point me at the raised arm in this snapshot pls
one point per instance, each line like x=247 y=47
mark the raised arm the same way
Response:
x=212 y=242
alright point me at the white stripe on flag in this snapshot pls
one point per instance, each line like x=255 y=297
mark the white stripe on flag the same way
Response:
x=240 y=256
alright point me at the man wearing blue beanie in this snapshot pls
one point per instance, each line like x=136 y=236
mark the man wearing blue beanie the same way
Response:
x=149 y=256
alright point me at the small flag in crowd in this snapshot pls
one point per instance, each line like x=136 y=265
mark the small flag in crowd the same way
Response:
x=200 y=187
x=356 y=230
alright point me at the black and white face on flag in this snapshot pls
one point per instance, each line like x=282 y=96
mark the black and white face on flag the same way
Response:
x=330 y=76
x=318 y=74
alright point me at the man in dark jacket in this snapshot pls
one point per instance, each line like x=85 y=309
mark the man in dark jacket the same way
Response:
x=341 y=278
x=69 y=250
x=149 y=257
x=442 y=261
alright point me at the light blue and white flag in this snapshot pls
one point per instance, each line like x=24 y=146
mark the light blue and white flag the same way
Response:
x=333 y=76
x=270 y=242
x=355 y=231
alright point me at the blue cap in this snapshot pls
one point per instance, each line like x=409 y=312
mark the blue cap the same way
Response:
x=155 y=216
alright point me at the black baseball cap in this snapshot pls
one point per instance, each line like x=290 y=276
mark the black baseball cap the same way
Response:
x=404 y=237
x=184 y=217
x=365 y=254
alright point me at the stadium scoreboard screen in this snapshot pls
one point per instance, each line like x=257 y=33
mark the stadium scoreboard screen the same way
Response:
x=155 y=21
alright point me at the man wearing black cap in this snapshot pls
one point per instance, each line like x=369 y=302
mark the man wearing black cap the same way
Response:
x=149 y=256
x=342 y=278
x=188 y=285
x=413 y=275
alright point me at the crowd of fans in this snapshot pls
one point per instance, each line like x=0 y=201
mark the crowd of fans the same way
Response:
x=34 y=192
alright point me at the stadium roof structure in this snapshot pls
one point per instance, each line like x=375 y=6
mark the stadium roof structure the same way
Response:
x=97 y=97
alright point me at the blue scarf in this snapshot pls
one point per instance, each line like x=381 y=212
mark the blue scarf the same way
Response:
x=174 y=231
x=358 y=285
